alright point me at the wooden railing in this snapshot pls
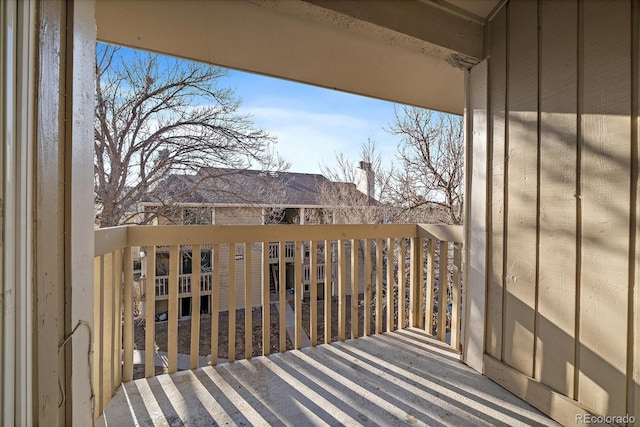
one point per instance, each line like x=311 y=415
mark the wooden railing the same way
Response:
x=395 y=271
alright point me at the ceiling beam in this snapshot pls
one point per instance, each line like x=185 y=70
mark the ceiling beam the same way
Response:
x=304 y=42
x=423 y=20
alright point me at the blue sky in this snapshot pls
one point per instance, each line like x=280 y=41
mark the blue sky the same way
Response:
x=313 y=124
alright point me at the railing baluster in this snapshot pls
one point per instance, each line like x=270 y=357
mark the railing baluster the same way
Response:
x=418 y=281
x=342 y=292
x=354 y=288
x=442 y=290
x=367 y=287
x=114 y=338
x=150 y=314
x=429 y=299
x=282 y=285
x=297 y=293
x=248 y=305
x=98 y=336
x=215 y=302
x=390 y=284
x=455 y=297
x=231 y=284
x=328 y=292
x=107 y=327
x=402 y=277
x=194 y=354
x=266 y=300
x=414 y=287
x=313 y=294
x=379 y=275
x=107 y=355
x=114 y=303
x=117 y=320
x=172 y=327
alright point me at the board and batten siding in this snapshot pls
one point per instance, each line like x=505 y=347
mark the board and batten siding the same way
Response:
x=255 y=282
x=562 y=280
x=237 y=216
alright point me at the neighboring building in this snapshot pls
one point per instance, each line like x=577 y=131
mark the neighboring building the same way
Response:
x=247 y=197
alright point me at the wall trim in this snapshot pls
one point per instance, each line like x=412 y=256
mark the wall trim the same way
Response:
x=557 y=406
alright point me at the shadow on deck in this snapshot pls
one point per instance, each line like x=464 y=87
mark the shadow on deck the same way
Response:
x=397 y=378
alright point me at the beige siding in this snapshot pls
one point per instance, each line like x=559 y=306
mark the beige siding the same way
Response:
x=521 y=177
x=360 y=265
x=237 y=216
x=496 y=146
x=562 y=296
x=555 y=344
x=605 y=139
x=256 y=265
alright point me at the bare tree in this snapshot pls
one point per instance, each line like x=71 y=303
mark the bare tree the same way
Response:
x=158 y=116
x=432 y=156
x=345 y=169
x=348 y=204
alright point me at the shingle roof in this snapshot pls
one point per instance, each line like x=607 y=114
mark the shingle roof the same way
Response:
x=219 y=186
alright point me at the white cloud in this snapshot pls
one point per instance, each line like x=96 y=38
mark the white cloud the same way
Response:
x=274 y=115
x=308 y=138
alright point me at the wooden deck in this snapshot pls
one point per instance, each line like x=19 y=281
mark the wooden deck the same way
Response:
x=397 y=378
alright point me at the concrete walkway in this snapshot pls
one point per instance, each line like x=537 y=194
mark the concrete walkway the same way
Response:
x=291 y=325
x=393 y=379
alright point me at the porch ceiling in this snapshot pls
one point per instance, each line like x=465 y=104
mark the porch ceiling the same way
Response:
x=409 y=52
x=392 y=379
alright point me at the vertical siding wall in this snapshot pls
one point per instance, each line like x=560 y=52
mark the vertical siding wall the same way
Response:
x=562 y=271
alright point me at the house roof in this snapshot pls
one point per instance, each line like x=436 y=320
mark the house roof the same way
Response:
x=219 y=186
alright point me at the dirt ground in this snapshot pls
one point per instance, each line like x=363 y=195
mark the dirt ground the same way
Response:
x=184 y=331
x=204 y=345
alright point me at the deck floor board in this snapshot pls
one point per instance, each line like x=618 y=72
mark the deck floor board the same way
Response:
x=392 y=379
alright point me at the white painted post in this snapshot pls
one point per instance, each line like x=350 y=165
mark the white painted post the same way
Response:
x=475 y=221
x=79 y=224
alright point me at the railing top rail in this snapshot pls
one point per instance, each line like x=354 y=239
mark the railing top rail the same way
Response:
x=449 y=233
x=110 y=239
x=178 y=235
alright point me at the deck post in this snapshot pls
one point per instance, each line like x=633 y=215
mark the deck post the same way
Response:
x=475 y=245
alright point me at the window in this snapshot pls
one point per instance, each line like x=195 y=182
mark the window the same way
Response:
x=318 y=216
x=137 y=269
x=197 y=216
x=162 y=264
x=150 y=213
x=205 y=304
x=186 y=262
x=281 y=216
x=185 y=307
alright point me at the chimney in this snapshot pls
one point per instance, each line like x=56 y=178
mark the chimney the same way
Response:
x=365 y=179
